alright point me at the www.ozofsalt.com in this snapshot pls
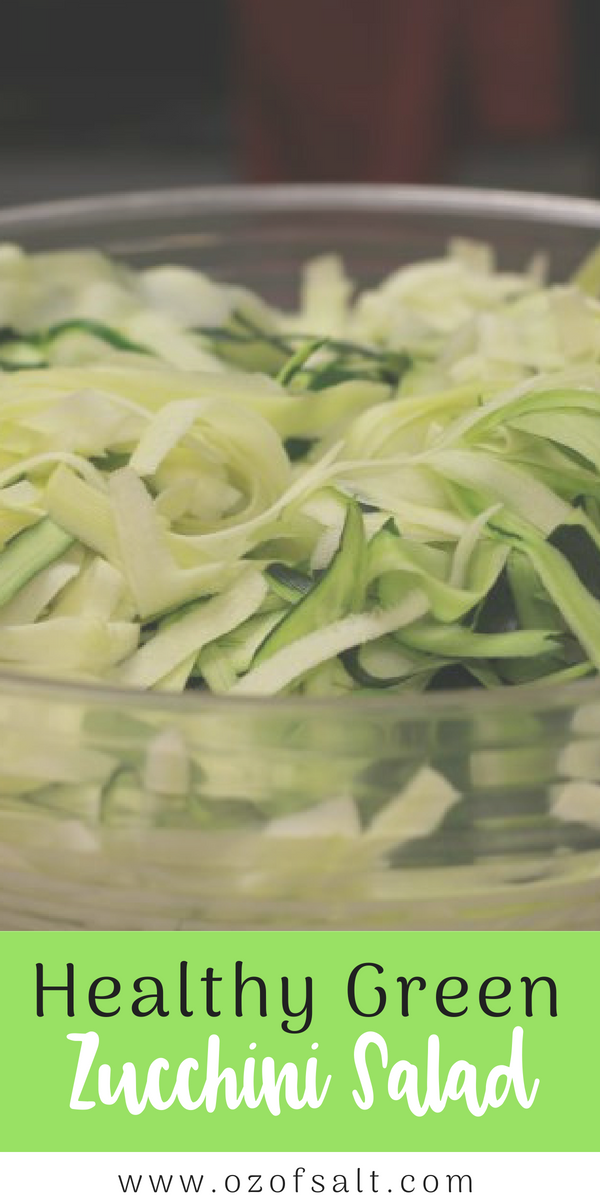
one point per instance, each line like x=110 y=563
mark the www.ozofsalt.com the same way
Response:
x=357 y=1182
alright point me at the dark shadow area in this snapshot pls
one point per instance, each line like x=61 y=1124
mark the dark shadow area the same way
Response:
x=119 y=96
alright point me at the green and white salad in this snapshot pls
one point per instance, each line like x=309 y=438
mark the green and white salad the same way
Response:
x=396 y=489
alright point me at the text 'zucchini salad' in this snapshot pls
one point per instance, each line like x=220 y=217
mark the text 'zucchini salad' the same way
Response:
x=396 y=489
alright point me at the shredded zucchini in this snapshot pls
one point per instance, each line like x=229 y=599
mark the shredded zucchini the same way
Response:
x=395 y=489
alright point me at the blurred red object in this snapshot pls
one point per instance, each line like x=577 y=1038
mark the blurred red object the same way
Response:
x=383 y=89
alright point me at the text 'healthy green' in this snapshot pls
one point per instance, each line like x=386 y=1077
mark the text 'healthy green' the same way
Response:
x=300 y=1042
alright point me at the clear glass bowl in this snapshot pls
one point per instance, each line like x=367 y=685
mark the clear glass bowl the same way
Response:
x=460 y=810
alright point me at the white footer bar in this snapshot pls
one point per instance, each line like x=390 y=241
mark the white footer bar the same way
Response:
x=397 y=1175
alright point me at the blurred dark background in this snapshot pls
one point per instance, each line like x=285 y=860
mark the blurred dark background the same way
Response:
x=98 y=98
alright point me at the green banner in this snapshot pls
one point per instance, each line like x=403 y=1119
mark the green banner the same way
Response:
x=300 y=1041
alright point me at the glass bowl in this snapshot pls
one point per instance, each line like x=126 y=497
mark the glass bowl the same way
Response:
x=463 y=810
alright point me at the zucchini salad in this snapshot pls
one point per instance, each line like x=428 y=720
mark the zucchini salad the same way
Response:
x=396 y=489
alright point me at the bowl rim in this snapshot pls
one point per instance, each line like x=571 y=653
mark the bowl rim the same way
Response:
x=232 y=199
x=242 y=198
